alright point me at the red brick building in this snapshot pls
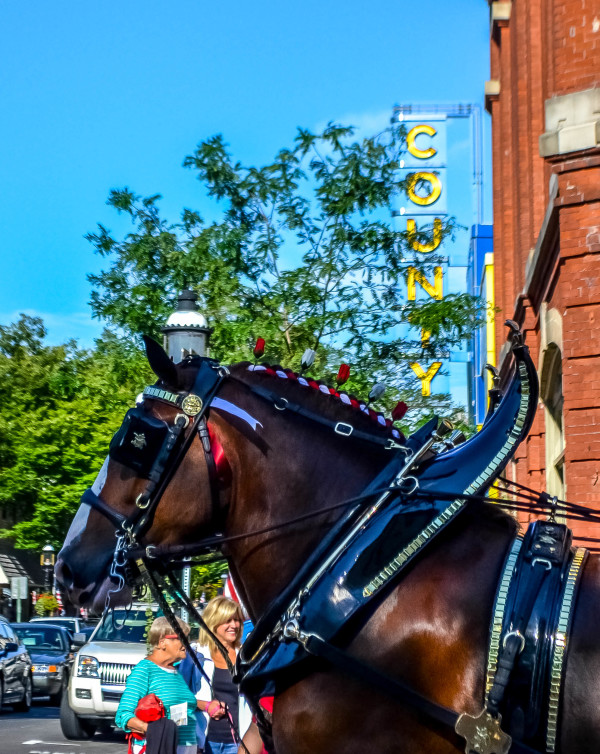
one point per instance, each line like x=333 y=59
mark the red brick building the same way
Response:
x=544 y=99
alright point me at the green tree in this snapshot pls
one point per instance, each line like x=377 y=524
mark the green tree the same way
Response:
x=59 y=406
x=206 y=579
x=303 y=255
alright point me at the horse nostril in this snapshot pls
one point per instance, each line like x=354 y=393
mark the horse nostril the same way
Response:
x=63 y=574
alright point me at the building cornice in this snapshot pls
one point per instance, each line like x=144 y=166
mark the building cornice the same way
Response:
x=491 y=93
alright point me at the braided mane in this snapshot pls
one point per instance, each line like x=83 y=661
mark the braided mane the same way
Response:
x=350 y=402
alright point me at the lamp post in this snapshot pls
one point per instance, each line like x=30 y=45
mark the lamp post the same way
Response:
x=47 y=563
x=186 y=333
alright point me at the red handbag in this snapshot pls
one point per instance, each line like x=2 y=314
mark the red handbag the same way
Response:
x=149 y=709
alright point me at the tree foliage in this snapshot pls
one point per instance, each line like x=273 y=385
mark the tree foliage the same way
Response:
x=59 y=406
x=46 y=604
x=207 y=579
x=303 y=254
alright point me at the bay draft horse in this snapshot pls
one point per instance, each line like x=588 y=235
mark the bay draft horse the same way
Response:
x=430 y=629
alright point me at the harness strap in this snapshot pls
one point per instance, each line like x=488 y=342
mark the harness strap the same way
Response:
x=388 y=685
x=211 y=466
x=341 y=428
x=514 y=641
x=90 y=498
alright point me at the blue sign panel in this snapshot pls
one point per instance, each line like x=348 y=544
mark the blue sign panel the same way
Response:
x=442 y=180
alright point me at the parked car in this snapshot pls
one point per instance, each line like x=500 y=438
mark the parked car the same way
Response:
x=50 y=649
x=73 y=623
x=16 y=685
x=100 y=670
x=87 y=630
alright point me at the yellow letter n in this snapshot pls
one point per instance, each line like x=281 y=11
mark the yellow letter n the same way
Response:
x=435 y=291
x=426 y=377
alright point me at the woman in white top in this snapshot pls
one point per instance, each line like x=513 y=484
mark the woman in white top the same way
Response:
x=225 y=619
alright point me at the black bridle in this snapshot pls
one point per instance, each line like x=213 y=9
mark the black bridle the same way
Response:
x=141 y=436
x=170 y=443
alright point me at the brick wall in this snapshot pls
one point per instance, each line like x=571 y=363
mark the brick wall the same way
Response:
x=547 y=241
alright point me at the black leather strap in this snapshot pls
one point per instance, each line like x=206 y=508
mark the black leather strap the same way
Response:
x=90 y=498
x=515 y=641
x=213 y=476
x=344 y=429
x=392 y=686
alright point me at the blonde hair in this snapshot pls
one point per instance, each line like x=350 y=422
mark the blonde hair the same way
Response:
x=161 y=627
x=218 y=611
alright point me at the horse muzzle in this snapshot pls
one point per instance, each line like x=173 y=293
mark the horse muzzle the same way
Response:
x=90 y=584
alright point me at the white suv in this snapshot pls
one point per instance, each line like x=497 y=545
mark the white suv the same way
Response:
x=100 y=670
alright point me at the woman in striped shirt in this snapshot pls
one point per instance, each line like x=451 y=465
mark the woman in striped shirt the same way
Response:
x=156 y=675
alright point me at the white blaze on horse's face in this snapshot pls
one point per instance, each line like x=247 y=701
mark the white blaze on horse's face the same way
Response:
x=80 y=521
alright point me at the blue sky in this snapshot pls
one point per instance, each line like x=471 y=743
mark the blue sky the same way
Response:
x=103 y=95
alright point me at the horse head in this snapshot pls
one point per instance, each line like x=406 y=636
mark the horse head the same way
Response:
x=172 y=476
x=122 y=495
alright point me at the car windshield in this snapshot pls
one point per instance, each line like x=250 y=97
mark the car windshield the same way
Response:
x=40 y=637
x=123 y=626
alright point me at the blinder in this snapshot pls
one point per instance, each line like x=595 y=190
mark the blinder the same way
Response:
x=138 y=441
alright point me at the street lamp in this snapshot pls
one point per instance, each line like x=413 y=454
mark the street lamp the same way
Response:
x=47 y=563
x=186 y=331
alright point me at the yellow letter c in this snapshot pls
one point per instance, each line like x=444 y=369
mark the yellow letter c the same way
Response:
x=422 y=154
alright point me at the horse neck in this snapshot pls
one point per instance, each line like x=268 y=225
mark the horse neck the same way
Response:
x=295 y=469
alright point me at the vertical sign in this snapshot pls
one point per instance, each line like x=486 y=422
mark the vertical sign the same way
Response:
x=18 y=591
x=441 y=170
x=422 y=213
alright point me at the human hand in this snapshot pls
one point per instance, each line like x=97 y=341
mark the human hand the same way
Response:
x=137 y=725
x=215 y=709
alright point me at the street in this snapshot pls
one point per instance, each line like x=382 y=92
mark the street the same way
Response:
x=38 y=732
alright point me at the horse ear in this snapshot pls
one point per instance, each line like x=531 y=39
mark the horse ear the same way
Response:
x=160 y=363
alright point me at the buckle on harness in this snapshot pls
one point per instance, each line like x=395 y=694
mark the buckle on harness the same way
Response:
x=518 y=635
x=292 y=630
x=393 y=445
x=343 y=429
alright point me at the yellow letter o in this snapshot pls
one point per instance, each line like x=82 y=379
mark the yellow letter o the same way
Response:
x=434 y=194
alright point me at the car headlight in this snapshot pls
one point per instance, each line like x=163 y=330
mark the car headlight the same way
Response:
x=88 y=667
